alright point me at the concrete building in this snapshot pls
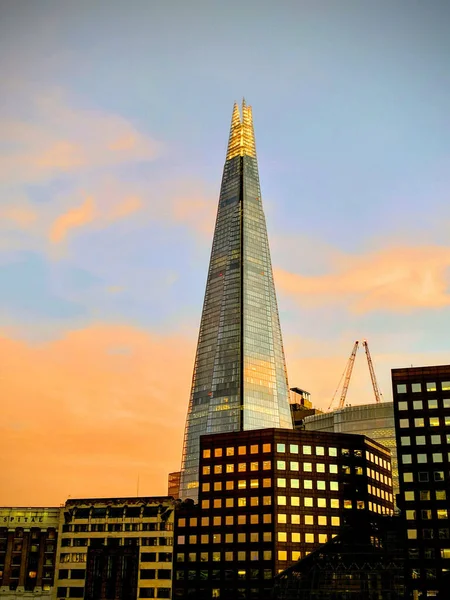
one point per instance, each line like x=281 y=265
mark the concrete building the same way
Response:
x=375 y=421
x=422 y=422
x=115 y=548
x=266 y=499
x=27 y=552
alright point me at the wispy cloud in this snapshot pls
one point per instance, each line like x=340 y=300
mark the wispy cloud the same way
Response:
x=62 y=139
x=392 y=279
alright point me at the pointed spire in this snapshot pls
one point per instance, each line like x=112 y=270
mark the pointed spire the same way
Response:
x=242 y=137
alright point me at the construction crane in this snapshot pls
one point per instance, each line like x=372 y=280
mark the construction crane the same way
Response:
x=348 y=373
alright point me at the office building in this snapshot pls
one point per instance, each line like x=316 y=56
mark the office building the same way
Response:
x=375 y=421
x=422 y=422
x=27 y=552
x=239 y=381
x=115 y=548
x=301 y=406
x=266 y=499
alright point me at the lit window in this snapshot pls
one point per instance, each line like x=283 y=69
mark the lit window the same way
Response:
x=408 y=477
x=420 y=440
x=254 y=483
x=242 y=484
x=282 y=555
x=360 y=504
x=320 y=451
x=267 y=447
x=434 y=421
x=334 y=503
x=332 y=451
x=321 y=502
x=439 y=475
x=241 y=555
x=309 y=519
x=217 y=503
x=267 y=500
x=407 y=459
x=306 y=449
x=405 y=441
x=308 y=502
x=445 y=385
x=401 y=388
x=254 y=449
x=242 y=467
x=206 y=453
x=295 y=537
x=254 y=519
x=281 y=447
x=422 y=458
x=419 y=422
x=229 y=468
x=435 y=439
x=229 y=502
x=205 y=521
x=409 y=496
x=267 y=536
x=335 y=521
x=267 y=482
x=323 y=538
x=217 y=521
x=333 y=468
x=267 y=554
x=254 y=466
x=294 y=465
x=230 y=451
x=242 y=450
x=254 y=555
x=441 y=495
x=295 y=483
x=446 y=402
x=205 y=503
x=416 y=387
x=281 y=500
x=295 y=519
x=206 y=470
x=228 y=557
x=267 y=465
x=334 y=486
x=321 y=485
x=295 y=500
x=320 y=468
x=242 y=502
x=437 y=457
x=229 y=485
x=293 y=448
x=432 y=404
x=442 y=513
x=281 y=482
x=281 y=464
x=307 y=467
x=267 y=518
x=347 y=504
x=254 y=501
x=282 y=518
x=242 y=519
x=216 y=538
x=322 y=520
x=309 y=538
x=282 y=536
x=404 y=423
x=217 y=469
x=417 y=405
x=241 y=538
x=218 y=452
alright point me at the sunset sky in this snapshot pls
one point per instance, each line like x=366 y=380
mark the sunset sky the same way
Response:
x=114 y=123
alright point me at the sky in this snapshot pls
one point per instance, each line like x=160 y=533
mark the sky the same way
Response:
x=114 y=121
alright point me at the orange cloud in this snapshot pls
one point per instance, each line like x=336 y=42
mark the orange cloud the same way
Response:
x=73 y=218
x=95 y=409
x=393 y=279
x=126 y=207
x=24 y=216
x=63 y=139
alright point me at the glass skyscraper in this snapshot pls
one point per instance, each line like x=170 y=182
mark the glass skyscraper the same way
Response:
x=240 y=380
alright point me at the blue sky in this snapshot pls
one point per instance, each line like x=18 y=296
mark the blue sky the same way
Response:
x=113 y=130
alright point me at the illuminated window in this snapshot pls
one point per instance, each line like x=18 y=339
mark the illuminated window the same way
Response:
x=333 y=468
x=254 y=449
x=242 y=519
x=217 y=469
x=334 y=486
x=282 y=555
x=417 y=405
x=321 y=485
x=281 y=464
x=206 y=470
x=409 y=496
x=254 y=519
x=334 y=503
x=294 y=465
x=295 y=519
x=405 y=441
x=267 y=448
x=306 y=449
x=228 y=557
x=442 y=513
x=217 y=503
x=242 y=467
x=422 y=458
x=435 y=439
x=281 y=447
x=192 y=539
x=308 y=502
x=242 y=538
x=205 y=503
x=323 y=538
x=404 y=423
x=282 y=536
x=295 y=500
x=281 y=482
x=420 y=440
x=217 y=521
x=267 y=518
x=437 y=457
x=242 y=450
x=419 y=422
x=295 y=537
x=293 y=448
x=241 y=555
x=230 y=452
x=281 y=518
x=335 y=521
x=309 y=538
x=229 y=537
x=242 y=502
x=321 y=502
x=295 y=483
x=229 y=520
x=307 y=467
x=322 y=520
x=309 y=519
x=206 y=453
x=267 y=465
x=254 y=466
x=281 y=501
x=307 y=484
x=408 y=477
x=229 y=468
x=242 y=484
x=401 y=388
x=432 y=404
x=407 y=459
x=267 y=500
x=320 y=451
x=254 y=501
x=416 y=387
x=254 y=483
x=267 y=554
x=441 y=495
x=229 y=502
x=347 y=504
x=205 y=521
x=267 y=482
x=320 y=468
x=218 y=452
x=229 y=485
x=434 y=421
x=332 y=451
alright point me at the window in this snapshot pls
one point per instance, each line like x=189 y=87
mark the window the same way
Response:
x=281 y=464
x=242 y=502
x=267 y=482
x=206 y=453
x=412 y=534
x=417 y=405
x=401 y=388
x=228 y=556
x=442 y=513
x=407 y=459
x=254 y=501
x=306 y=449
x=267 y=447
x=320 y=451
x=416 y=387
x=307 y=467
x=242 y=467
x=419 y=422
x=437 y=457
x=334 y=503
x=267 y=555
x=335 y=521
x=229 y=468
x=281 y=482
x=254 y=449
x=267 y=518
x=217 y=503
x=439 y=475
x=242 y=450
x=242 y=484
x=333 y=468
x=217 y=521
x=282 y=555
x=434 y=421
x=405 y=441
x=206 y=470
x=443 y=534
x=293 y=448
x=320 y=468
x=229 y=520
x=435 y=439
x=322 y=520
x=446 y=402
x=242 y=519
x=441 y=495
x=408 y=477
x=295 y=519
x=294 y=465
x=281 y=500
x=267 y=465
x=422 y=458
x=445 y=385
x=321 y=485
x=420 y=440
x=334 y=486
x=281 y=518
x=308 y=502
x=205 y=487
x=295 y=500
x=254 y=519
x=282 y=536
x=218 y=452
x=295 y=537
x=295 y=483
x=309 y=538
x=229 y=451
x=321 y=502
x=332 y=451
x=217 y=469
x=217 y=486
x=432 y=404
x=425 y=514
x=404 y=423
x=423 y=476
x=281 y=447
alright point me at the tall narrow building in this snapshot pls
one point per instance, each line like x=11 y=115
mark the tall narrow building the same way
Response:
x=240 y=380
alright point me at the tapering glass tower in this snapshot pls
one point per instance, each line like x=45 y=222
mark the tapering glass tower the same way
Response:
x=239 y=381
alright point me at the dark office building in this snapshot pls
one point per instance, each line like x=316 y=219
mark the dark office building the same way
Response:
x=112 y=572
x=422 y=423
x=268 y=498
x=239 y=380
x=28 y=538
x=363 y=562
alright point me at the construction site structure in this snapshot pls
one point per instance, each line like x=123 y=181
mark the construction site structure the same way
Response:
x=346 y=375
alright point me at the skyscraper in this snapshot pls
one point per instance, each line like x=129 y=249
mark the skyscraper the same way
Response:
x=239 y=381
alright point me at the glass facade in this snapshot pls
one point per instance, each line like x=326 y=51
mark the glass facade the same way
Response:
x=239 y=381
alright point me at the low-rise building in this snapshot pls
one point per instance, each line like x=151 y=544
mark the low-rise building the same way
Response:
x=28 y=539
x=115 y=548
